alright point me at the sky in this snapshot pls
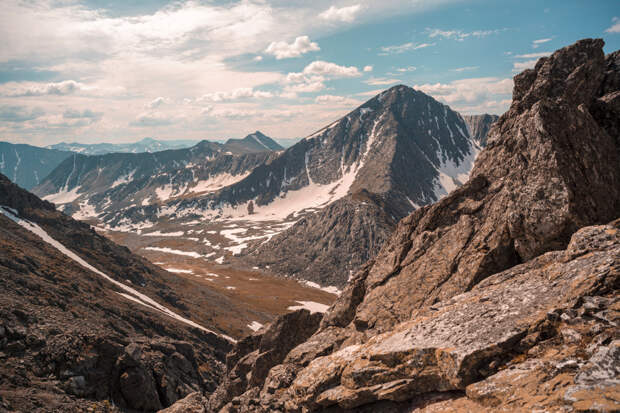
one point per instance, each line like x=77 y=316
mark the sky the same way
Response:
x=120 y=70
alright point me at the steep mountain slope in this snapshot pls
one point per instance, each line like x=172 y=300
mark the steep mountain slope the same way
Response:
x=406 y=165
x=492 y=299
x=144 y=145
x=479 y=126
x=27 y=165
x=81 y=316
x=91 y=185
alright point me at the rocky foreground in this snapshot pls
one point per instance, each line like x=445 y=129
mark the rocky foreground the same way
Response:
x=503 y=296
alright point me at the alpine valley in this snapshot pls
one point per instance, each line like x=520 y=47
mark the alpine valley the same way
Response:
x=403 y=258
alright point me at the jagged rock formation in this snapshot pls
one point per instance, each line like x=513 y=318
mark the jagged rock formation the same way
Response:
x=84 y=323
x=479 y=126
x=493 y=285
x=27 y=165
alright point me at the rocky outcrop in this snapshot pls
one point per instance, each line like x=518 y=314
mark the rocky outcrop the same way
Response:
x=252 y=358
x=490 y=278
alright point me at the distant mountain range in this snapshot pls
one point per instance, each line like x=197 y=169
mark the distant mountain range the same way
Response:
x=28 y=165
x=145 y=145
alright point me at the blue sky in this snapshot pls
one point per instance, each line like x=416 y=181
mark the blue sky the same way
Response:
x=117 y=71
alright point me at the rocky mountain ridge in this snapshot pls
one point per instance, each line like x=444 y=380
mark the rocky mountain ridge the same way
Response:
x=508 y=283
x=28 y=165
x=88 y=186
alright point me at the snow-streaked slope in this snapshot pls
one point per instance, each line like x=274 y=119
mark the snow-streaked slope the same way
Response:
x=130 y=294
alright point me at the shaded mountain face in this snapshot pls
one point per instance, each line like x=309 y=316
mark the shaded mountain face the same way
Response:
x=478 y=126
x=27 y=165
x=254 y=142
x=87 y=186
x=413 y=151
x=490 y=290
x=83 y=317
x=145 y=145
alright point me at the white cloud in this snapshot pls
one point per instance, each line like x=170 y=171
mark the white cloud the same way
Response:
x=473 y=94
x=322 y=68
x=239 y=93
x=406 y=69
x=314 y=75
x=460 y=35
x=401 y=48
x=615 y=27
x=343 y=14
x=521 y=66
x=380 y=81
x=66 y=87
x=537 y=43
x=337 y=100
x=258 y=58
x=368 y=68
x=283 y=50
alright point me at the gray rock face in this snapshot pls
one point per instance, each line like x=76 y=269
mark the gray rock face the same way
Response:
x=478 y=281
x=329 y=244
x=479 y=127
x=252 y=358
x=26 y=165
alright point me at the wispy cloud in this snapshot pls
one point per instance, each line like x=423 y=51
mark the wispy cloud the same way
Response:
x=538 y=42
x=406 y=69
x=402 y=48
x=532 y=55
x=460 y=35
x=342 y=14
x=239 y=93
x=381 y=81
x=465 y=69
x=615 y=26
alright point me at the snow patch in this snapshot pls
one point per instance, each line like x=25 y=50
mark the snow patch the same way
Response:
x=255 y=326
x=172 y=251
x=312 y=306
